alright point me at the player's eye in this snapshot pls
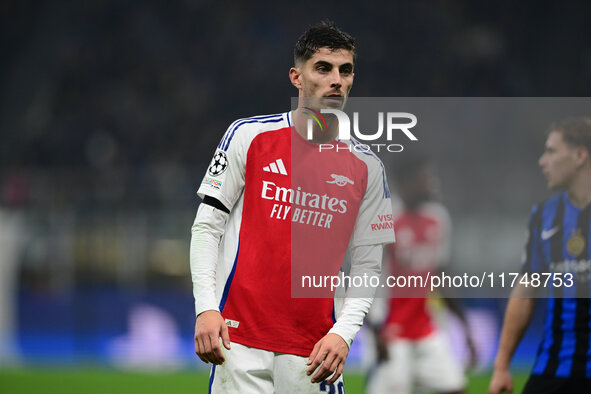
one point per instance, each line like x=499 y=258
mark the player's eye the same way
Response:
x=347 y=70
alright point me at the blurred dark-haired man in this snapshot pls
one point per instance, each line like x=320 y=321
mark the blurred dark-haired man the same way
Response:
x=269 y=197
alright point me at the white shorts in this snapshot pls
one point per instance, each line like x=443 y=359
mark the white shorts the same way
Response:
x=426 y=364
x=252 y=370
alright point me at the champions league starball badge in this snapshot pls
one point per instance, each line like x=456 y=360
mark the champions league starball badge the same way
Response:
x=218 y=164
x=576 y=243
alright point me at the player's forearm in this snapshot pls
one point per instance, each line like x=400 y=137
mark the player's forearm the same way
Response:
x=517 y=317
x=206 y=233
x=351 y=318
x=365 y=262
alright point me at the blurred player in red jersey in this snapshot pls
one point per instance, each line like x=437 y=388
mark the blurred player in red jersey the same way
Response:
x=411 y=352
x=270 y=196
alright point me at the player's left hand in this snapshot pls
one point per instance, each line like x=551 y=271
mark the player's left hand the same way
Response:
x=331 y=351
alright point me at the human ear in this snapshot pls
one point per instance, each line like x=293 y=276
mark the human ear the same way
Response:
x=294 y=77
x=582 y=155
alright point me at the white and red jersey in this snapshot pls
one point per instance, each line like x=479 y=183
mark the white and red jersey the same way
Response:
x=422 y=246
x=293 y=211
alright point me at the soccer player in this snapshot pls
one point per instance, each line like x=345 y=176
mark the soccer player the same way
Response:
x=412 y=354
x=271 y=197
x=558 y=243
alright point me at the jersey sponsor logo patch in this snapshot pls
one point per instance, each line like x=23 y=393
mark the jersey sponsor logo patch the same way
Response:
x=276 y=167
x=340 y=180
x=547 y=234
x=218 y=164
x=581 y=269
x=215 y=183
x=385 y=222
x=232 y=323
x=308 y=208
x=271 y=191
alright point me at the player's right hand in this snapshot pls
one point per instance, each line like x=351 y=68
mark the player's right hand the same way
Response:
x=501 y=382
x=209 y=327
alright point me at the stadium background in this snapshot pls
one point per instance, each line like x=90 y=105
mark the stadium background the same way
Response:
x=110 y=111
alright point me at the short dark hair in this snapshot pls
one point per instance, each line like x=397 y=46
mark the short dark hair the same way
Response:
x=322 y=35
x=575 y=132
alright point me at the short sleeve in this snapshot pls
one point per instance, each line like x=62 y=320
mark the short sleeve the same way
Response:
x=224 y=179
x=375 y=222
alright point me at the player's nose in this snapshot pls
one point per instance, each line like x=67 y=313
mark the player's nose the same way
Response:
x=335 y=78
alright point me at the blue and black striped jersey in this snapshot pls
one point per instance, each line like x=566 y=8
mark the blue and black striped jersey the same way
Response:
x=559 y=242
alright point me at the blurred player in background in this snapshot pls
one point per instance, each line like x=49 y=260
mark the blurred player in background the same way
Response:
x=411 y=352
x=558 y=243
x=266 y=185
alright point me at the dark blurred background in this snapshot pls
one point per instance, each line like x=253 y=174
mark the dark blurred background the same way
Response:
x=110 y=112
